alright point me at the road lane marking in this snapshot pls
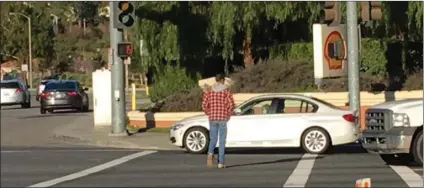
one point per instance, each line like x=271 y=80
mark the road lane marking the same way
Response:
x=66 y=150
x=301 y=173
x=408 y=175
x=92 y=170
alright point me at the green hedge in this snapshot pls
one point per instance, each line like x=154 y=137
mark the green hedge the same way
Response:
x=169 y=80
x=377 y=57
x=84 y=78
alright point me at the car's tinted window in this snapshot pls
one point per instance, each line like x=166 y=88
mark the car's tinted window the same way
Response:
x=258 y=107
x=10 y=85
x=295 y=106
x=60 y=86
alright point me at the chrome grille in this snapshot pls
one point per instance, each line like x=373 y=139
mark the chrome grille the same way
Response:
x=377 y=120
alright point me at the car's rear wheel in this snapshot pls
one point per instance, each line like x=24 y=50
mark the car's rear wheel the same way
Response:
x=417 y=148
x=26 y=104
x=85 y=108
x=315 y=141
x=42 y=111
x=196 y=140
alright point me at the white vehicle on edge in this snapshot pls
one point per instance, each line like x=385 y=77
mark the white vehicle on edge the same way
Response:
x=395 y=131
x=274 y=120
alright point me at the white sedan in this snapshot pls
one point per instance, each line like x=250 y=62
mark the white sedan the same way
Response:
x=274 y=120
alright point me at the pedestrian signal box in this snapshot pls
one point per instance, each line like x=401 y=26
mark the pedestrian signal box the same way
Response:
x=124 y=49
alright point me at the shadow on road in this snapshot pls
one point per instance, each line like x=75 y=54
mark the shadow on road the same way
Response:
x=344 y=149
x=18 y=107
x=58 y=113
x=274 y=162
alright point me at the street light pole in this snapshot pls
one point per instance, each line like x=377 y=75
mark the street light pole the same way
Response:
x=29 y=46
x=30 y=51
x=56 y=32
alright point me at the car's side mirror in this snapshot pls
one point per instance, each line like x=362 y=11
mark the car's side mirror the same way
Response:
x=237 y=112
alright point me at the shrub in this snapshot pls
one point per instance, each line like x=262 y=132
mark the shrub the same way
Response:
x=171 y=79
x=185 y=101
x=275 y=76
x=414 y=81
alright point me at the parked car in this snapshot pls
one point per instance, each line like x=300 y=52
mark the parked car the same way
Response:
x=63 y=94
x=274 y=120
x=15 y=92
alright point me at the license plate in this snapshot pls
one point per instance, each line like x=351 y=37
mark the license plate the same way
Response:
x=59 y=95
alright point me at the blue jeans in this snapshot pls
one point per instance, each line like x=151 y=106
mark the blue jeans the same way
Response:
x=218 y=128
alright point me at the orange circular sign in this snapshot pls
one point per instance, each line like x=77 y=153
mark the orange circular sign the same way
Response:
x=335 y=63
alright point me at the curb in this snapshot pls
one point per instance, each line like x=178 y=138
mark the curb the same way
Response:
x=106 y=143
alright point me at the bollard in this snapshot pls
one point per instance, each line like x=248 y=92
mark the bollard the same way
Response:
x=133 y=102
x=363 y=183
x=147 y=90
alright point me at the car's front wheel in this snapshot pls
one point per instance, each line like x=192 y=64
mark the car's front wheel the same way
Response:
x=315 y=141
x=417 y=148
x=196 y=140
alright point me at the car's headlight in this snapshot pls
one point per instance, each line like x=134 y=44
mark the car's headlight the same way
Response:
x=176 y=126
x=400 y=120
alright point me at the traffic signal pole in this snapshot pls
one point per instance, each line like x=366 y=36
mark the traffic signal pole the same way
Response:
x=353 y=56
x=118 y=92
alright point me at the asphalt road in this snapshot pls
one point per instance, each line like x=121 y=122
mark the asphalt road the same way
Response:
x=81 y=166
x=31 y=156
x=27 y=127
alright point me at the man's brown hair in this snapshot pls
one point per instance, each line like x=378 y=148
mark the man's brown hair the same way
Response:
x=219 y=78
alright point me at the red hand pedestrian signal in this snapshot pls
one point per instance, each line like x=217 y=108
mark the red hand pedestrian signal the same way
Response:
x=124 y=49
x=128 y=49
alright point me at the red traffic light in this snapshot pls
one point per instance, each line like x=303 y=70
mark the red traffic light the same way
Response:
x=124 y=49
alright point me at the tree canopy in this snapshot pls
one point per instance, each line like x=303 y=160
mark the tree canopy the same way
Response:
x=188 y=33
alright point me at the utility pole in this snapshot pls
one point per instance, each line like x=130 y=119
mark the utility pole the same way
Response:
x=126 y=62
x=352 y=56
x=30 y=51
x=118 y=91
x=56 y=32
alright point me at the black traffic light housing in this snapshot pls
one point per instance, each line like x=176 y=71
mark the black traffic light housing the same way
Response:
x=371 y=10
x=331 y=12
x=124 y=50
x=123 y=14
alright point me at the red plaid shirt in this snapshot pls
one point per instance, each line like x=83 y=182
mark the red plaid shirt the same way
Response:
x=218 y=105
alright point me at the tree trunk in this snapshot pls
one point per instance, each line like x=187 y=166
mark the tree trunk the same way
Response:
x=247 y=51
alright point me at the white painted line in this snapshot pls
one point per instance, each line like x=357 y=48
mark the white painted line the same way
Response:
x=408 y=175
x=67 y=150
x=92 y=170
x=301 y=173
x=17 y=151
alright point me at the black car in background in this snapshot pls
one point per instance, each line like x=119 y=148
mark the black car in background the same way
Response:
x=63 y=94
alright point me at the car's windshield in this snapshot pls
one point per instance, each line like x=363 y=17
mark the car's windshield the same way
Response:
x=10 y=85
x=326 y=103
x=60 y=86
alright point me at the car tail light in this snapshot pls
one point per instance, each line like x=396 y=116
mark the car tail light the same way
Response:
x=19 y=90
x=72 y=93
x=349 y=117
x=44 y=94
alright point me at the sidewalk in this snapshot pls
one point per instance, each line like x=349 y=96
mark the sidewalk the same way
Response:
x=81 y=131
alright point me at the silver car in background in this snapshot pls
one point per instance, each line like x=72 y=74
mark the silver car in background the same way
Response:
x=14 y=92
